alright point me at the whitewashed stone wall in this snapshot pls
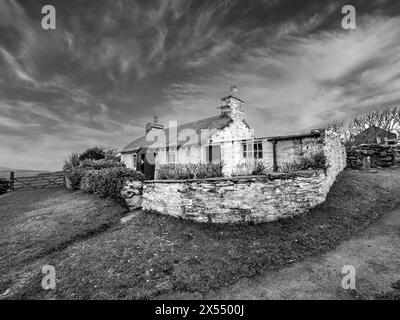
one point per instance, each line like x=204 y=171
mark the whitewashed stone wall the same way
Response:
x=127 y=158
x=289 y=151
x=230 y=139
x=185 y=155
x=335 y=153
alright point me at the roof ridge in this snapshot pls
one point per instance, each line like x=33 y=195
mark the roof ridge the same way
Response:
x=204 y=123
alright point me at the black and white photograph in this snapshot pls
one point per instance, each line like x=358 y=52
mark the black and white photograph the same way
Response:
x=199 y=154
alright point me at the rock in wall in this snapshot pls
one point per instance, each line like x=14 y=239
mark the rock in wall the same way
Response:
x=231 y=200
x=132 y=194
x=335 y=153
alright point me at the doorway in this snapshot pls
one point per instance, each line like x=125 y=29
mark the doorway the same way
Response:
x=146 y=163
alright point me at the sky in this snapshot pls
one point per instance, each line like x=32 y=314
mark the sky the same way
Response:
x=110 y=66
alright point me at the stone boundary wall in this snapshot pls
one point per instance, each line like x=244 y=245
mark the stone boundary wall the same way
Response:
x=241 y=199
x=336 y=157
x=244 y=199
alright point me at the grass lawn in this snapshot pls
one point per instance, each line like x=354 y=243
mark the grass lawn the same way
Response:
x=154 y=255
x=36 y=223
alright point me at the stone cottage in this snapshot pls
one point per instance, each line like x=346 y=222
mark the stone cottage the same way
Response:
x=225 y=137
x=375 y=135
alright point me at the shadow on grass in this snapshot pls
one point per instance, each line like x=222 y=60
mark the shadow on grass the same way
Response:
x=154 y=254
x=392 y=295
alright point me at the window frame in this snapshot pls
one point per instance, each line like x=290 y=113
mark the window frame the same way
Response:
x=252 y=150
x=134 y=161
x=171 y=153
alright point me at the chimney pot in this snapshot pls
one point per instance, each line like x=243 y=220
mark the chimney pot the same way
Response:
x=154 y=125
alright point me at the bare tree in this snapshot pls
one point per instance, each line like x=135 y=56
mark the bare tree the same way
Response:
x=335 y=126
x=386 y=119
x=340 y=127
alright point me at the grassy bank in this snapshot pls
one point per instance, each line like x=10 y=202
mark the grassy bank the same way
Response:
x=34 y=224
x=154 y=255
x=391 y=295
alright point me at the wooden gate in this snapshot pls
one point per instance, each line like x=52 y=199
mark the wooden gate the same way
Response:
x=41 y=181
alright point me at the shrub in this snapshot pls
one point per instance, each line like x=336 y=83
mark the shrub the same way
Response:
x=206 y=170
x=319 y=161
x=259 y=168
x=75 y=174
x=316 y=161
x=177 y=171
x=90 y=164
x=94 y=158
x=4 y=185
x=74 y=177
x=189 y=171
x=95 y=153
x=72 y=162
x=250 y=168
x=112 y=154
x=289 y=167
x=108 y=182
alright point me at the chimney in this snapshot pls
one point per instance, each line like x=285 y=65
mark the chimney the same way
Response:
x=233 y=106
x=154 y=125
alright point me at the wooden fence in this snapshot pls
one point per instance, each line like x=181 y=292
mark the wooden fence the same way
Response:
x=41 y=181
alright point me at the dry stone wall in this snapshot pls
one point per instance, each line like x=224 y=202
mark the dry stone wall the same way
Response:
x=336 y=158
x=231 y=200
x=241 y=199
x=132 y=194
x=371 y=155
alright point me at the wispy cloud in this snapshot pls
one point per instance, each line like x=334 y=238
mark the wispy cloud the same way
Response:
x=111 y=65
x=312 y=79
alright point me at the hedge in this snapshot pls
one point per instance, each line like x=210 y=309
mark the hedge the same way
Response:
x=4 y=185
x=189 y=171
x=90 y=164
x=108 y=182
x=75 y=174
x=74 y=177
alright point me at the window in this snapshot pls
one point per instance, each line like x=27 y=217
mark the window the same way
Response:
x=171 y=156
x=134 y=161
x=252 y=150
x=213 y=154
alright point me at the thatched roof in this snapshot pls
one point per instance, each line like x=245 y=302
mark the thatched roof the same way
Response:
x=213 y=124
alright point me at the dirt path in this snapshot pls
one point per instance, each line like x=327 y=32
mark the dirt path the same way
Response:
x=375 y=254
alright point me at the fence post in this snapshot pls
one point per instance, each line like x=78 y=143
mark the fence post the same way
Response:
x=65 y=178
x=12 y=180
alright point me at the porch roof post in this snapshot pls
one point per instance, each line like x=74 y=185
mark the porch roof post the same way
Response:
x=274 y=143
